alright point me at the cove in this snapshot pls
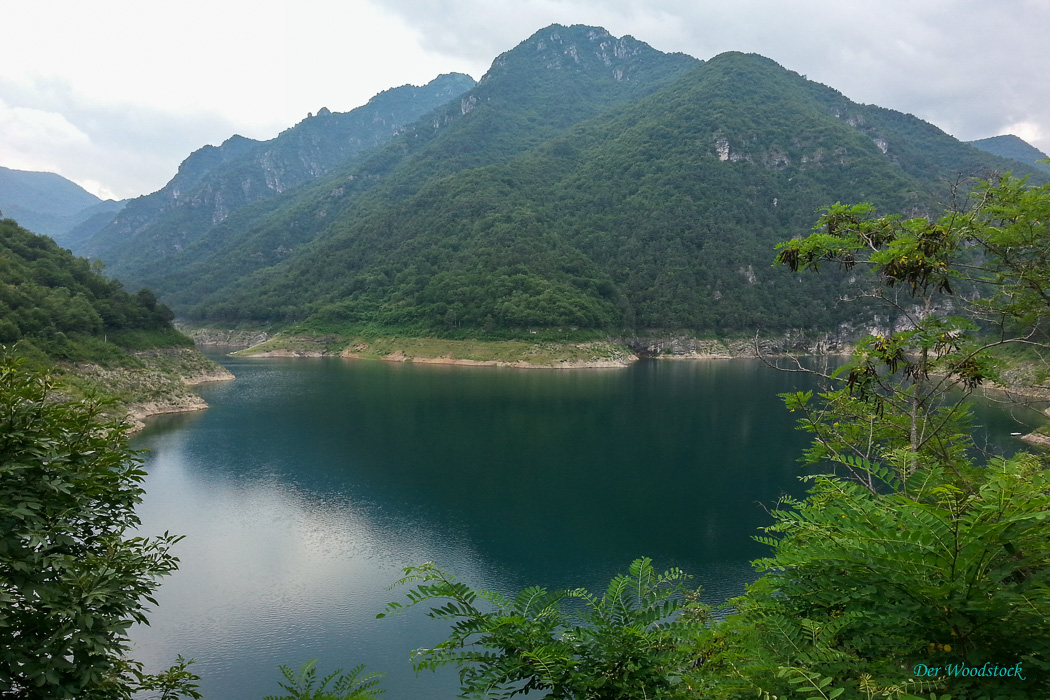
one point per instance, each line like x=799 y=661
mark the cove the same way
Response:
x=309 y=483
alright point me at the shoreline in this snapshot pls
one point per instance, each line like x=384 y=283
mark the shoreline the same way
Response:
x=182 y=402
x=161 y=384
x=470 y=353
x=535 y=354
x=612 y=353
x=518 y=364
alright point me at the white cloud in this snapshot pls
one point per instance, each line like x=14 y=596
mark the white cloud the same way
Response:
x=37 y=128
x=147 y=83
x=1031 y=132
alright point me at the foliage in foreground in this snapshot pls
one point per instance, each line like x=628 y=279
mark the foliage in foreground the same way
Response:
x=71 y=578
x=637 y=639
x=303 y=684
x=921 y=567
x=880 y=588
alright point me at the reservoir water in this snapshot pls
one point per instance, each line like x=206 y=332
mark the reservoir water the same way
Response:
x=310 y=483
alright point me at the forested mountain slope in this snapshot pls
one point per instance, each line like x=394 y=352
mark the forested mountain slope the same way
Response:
x=61 y=306
x=215 y=181
x=586 y=182
x=661 y=214
x=58 y=313
x=534 y=92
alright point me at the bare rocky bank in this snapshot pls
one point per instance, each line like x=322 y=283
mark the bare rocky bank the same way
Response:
x=159 y=382
x=609 y=353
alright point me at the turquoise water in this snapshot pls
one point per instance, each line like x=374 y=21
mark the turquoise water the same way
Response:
x=310 y=483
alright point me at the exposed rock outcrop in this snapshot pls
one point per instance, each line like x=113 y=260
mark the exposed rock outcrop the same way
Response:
x=160 y=384
x=227 y=336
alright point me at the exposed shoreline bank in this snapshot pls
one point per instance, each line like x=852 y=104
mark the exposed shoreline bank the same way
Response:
x=597 y=354
x=472 y=353
x=610 y=353
x=160 y=384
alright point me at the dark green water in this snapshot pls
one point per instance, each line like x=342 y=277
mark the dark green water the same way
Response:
x=308 y=484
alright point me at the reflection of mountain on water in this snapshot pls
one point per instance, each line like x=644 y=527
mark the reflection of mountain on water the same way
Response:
x=309 y=483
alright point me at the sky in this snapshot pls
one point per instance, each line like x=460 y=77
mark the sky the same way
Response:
x=114 y=94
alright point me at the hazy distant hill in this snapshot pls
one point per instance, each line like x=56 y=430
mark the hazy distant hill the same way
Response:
x=586 y=181
x=1013 y=147
x=50 y=204
x=215 y=181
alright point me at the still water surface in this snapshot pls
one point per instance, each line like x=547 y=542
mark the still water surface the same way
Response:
x=310 y=483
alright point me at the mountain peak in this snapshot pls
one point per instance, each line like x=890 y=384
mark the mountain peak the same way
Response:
x=576 y=49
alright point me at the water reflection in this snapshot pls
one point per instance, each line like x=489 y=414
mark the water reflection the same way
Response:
x=310 y=483
x=273 y=573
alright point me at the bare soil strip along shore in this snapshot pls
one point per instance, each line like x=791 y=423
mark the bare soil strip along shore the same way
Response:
x=503 y=353
x=160 y=385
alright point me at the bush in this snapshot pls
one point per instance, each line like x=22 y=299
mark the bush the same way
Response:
x=72 y=580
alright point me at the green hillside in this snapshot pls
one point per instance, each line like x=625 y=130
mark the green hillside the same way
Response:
x=587 y=182
x=59 y=314
x=661 y=213
x=216 y=181
x=61 y=306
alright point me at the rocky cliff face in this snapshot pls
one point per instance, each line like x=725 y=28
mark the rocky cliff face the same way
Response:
x=215 y=181
x=682 y=346
x=840 y=341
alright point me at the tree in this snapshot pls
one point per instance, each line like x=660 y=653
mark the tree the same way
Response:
x=637 y=640
x=923 y=556
x=72 y=576
x=880 y=589
x=895 y=397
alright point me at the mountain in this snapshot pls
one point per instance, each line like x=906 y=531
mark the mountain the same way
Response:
x=215 y=181
x=532 y=93
x=585 y=182
x=1013 y=147
x=50 y=204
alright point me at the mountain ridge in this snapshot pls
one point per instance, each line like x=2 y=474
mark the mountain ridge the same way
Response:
x=652 y=201
x=445 y=141
x=1014 y=148
x=215 y=181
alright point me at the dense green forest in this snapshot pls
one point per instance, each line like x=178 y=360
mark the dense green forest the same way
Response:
x=59 y=306
x=630 y=220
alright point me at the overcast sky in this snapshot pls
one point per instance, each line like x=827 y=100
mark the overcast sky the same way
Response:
x=114 y=94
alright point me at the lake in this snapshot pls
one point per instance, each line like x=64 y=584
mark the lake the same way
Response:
x=310 y=483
